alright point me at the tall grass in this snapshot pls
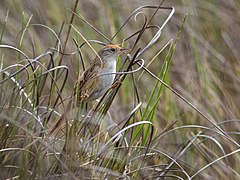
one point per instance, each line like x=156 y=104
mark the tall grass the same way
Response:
x=174 y=112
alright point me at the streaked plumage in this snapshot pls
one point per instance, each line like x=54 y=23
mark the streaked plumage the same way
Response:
x=96 y=80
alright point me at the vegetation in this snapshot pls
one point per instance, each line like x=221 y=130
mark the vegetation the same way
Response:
x=174 y=114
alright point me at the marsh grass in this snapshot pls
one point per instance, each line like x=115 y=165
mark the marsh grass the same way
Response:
x=173 y=114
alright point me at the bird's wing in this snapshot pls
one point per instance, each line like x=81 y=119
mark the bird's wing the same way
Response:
x=87 y=84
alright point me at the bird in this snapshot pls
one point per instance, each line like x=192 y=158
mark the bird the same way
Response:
x=100 y=74
x=95 y=80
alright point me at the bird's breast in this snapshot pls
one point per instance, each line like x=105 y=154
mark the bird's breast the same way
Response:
x=107 y=73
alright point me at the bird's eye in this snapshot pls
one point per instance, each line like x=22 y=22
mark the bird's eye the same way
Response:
x=113 y=50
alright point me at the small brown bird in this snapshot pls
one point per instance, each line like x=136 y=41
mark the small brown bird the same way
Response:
x=95 y=80
x=99 y=76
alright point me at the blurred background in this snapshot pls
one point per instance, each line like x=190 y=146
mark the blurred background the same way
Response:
x=205 y=67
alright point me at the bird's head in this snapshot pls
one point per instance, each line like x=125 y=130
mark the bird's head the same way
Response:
x=111 y=52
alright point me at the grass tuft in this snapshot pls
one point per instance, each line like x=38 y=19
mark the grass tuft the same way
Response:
x=174 y=112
